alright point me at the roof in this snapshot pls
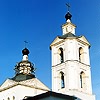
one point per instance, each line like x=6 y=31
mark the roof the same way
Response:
x=67 y=35
x=51 y=93
x=60 y=39
x=22 y=77
x=32 y=83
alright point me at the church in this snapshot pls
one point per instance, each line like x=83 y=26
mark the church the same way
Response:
x=71 y=71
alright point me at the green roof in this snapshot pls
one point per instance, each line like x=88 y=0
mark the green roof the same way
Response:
x=22 y=77
x=67 y=36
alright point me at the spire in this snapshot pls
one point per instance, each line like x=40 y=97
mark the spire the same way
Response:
x=25 y=53
x=68 y=28
x=68 y=15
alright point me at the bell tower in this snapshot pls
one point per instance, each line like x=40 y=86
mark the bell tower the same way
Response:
x=71 y=71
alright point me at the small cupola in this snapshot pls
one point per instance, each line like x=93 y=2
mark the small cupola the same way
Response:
x=24 y=69
x=68 y=27
x=25 y=53
x=68 y=17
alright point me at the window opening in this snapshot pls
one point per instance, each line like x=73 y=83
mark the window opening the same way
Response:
x=8 y=98
x=62 y=80
x=81 y=54
x=13 y=98
x=61 y=55
x=82 y=79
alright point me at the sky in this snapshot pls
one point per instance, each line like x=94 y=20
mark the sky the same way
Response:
x=39 y=22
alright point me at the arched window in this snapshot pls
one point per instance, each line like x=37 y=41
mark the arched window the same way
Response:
x=13 y=97
x=61 y=55
x=62 y=80
x=8 y=98
x=82 y=80
x=81 y=54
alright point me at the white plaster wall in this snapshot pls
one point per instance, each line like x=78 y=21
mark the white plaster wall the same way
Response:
x=19 y=92
x=86 y=53
x=56 y=81
x=68 y=27
x=81 y=95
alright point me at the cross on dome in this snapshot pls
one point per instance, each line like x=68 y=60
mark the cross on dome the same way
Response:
x=68 y=15
x=68 y=5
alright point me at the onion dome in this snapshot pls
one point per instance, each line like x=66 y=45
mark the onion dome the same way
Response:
x=24 y=69
x=68 y=16
x=25 y=51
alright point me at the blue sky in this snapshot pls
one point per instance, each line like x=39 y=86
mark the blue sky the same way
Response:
x=39 y=22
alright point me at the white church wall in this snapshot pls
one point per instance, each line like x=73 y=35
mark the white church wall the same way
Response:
x=19 y=92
